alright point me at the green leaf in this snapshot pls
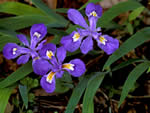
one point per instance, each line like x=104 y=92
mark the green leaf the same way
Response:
x=17 y=75
x=91 y=89
x=24 y=94
x=126 y=63
x=116 y=10
x=133 y=76
x=17 y=8
x=136 y=13
x=89 y=1
x=77 y=93
x=134 y=41
x=130 y=28
x=4 y=96
x=20 y=22
x=49 y=12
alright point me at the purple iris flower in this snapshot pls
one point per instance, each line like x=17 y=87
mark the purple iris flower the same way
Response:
x=56 y=69
x=83 y=38
x=12 y=50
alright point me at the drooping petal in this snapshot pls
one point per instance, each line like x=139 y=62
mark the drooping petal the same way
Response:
x=40 y=45
x=23 y=59
x=48 y=49
x=108 y=44
x=12 y=50
x=79 y=68
x=59 y=74
x=61 y=54
x=48 y=87
x=41 y=66
x=23 y=39
x=37 y=33
x=86 y=45
x=93 y=10
x=69 y=44
x=76 y=17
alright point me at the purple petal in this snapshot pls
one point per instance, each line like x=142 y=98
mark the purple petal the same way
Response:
x=41 y=66
x=48 y=87
x=12 y=50
x=59 y=74
x=61 y=54
x=111 y=44
x=47 y=47
x=93 y=24
x=92 y=7
x=86 y=45
x=40 y=45
x=69 y=45
x=79 y=68
x=23 y=59
x=37 y=33
x=23 y=39
x=76 y=17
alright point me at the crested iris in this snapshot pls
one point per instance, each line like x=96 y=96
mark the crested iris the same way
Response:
x=56 y=56
x=83 y=38
x=12 y=50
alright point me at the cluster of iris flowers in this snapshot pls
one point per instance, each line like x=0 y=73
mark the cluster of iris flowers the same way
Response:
x=48 y=60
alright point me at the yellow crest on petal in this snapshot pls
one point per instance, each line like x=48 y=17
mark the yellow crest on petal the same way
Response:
x=75 y=37
x=49 y=54
x=50 y=77
x=102 y=40
x=93 y=13
x=14 y=51
x=68 y=66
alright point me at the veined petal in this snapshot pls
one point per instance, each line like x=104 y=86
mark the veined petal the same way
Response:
x=37 y=33
x=48 y=49
x=93 y=10
x=23 y=59
x=23 y=39
x=12 y=50
x=61 y=54
x=41 y=66
x=108 y=44
x=40 y=45
x=48 y=87
x=76 y=17
x=69 y=44
x=86 y=45
x=78 y=68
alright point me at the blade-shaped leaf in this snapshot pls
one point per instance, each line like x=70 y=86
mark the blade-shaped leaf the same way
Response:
x=92 y=86
x=4 y=96
x=77 y=93
x=134 y=41
x=17 y=8
x=126 y=63
x=20 y=22
x=133 y=76
x=24 y=94
x=135 y=13
x=116 y=10
x=17 y=75
x=60 y=19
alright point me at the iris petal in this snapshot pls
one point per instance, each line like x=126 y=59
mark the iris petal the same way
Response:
x=23 y=59
x=61 y=54
x=76 y=17
x=79 y=68
x=23 y=39
x=48 y=87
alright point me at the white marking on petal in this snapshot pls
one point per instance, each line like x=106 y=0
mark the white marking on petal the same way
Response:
x=68 y=66
x=14 y=51
x=49 y=54
x=76 y=37
x=102 y=40
x=38 y=35
x=50 y=77
x=93 y=13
